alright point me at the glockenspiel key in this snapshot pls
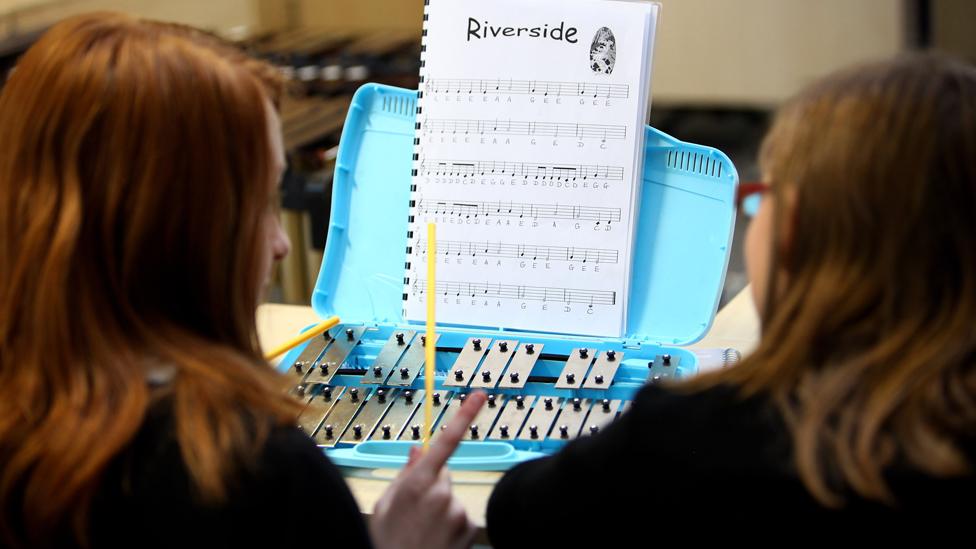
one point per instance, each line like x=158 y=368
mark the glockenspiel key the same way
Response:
x=398 y=415
x=575 y=369
x=341 y=415
x=316 y=408
x=486 y=417
x=302 y=365
x=662 y=367
x=412 y=363
x=541 y=417
x=494 y=363
x=451 y=404
x=418 y=415
x=602 y=412
x=336 y=354
x=369 y=416
x=604 y=370
x=524 y=359
x=572 y=418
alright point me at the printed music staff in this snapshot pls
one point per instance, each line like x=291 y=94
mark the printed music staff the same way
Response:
x=453 y=248
x=510 y=86
x=521 y=127
x=520 y=210
x=516 y=291
x=536 y=170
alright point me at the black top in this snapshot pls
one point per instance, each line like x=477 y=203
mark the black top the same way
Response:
x=293 y=497
x=701 y=466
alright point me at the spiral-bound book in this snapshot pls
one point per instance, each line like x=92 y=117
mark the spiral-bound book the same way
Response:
x=528 y=157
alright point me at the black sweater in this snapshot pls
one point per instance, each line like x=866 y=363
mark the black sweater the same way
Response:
x=702 y=466
x=293 y=497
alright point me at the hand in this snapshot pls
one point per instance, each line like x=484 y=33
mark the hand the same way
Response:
x=419 y=509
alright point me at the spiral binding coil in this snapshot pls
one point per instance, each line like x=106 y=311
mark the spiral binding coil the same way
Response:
x=416 y=152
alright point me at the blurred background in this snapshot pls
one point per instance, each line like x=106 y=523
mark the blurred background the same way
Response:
x=720 y=69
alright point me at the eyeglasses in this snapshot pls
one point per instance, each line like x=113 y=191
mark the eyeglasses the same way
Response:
x=749 y=196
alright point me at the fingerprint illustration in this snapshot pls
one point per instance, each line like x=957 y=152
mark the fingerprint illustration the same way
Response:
x=603 y=51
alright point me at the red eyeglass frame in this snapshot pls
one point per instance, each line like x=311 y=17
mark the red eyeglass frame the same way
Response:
x=748 y=189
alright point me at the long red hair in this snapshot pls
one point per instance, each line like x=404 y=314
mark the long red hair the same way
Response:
x=135 y=168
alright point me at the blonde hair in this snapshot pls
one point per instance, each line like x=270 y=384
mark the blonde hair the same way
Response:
x=869 y=349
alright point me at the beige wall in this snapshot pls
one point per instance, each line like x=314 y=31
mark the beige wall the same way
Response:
x=761 y=51
x=224 y=16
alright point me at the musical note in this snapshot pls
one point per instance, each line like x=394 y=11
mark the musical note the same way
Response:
x=567 y=170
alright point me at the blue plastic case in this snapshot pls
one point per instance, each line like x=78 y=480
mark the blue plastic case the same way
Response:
x=684 y=230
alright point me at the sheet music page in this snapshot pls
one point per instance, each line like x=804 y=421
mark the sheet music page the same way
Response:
x=528 y=157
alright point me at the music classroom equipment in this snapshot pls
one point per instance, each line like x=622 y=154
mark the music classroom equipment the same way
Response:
x=362 y=382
